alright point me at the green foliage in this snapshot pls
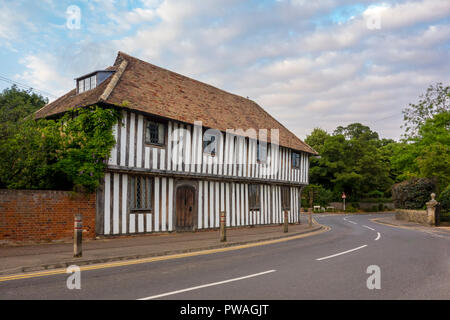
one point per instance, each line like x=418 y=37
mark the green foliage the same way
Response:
x=320 y=195
x=351 y=161
x=376 y=200
x=413 y=193
x=351 y=209
x=65 y=153
x=444 y=199
x=354 y=160
x=434 y=146
x=317 y=139
x=428 y=154
x=87 y=140
x=436 y=100
x=16 y=104
x=375 y=194
x=17 y=133
x=357 y=131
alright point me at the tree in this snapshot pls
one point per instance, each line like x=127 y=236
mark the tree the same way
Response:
x=436 y=100
x=350 y=160
x=317 y=139
x=433 y=146
x=357 y=131
x=427 y=155
x=16 y=104
x=65 y=153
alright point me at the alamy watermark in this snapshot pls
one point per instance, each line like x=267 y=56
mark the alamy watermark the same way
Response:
x=74 y=280
x=374 y=280
x=372 y=16
x=73 y=17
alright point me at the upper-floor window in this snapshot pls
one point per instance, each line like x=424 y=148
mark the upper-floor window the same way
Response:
x=155 y=133
x=88 y=83
x=253 y=197
x=295 y=160
x=209 y=143
x=261 y=151
x=141 y=193
x=285 y=198
x=92 y=80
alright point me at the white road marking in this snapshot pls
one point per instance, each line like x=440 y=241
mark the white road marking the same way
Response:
x=369 y=228
x=341 y=253
x=206 y=285
x=378 y=236
x=351 y=221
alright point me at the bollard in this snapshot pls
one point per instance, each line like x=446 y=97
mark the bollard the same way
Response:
x=78 y=236
x=285 y=221
x=223 y=232
x=310 y=216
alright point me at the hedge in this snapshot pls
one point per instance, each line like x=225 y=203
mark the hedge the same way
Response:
x=413 y=193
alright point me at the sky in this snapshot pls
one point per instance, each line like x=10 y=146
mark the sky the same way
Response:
x=310 y=64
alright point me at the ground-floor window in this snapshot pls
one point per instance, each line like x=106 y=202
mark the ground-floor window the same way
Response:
x=285 y=198
x=253 y=197
x=141 y=193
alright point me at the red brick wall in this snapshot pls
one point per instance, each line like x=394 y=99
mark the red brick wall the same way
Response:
x=43 y=215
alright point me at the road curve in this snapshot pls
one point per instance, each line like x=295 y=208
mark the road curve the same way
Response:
x=331 y=265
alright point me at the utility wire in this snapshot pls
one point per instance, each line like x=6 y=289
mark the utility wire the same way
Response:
x=385 y=118
x=6 y=79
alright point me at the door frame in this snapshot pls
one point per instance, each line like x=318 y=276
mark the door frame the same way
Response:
x=185 y=183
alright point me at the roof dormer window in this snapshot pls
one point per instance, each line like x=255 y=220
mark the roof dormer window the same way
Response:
x=87 y=84
x=92 y=80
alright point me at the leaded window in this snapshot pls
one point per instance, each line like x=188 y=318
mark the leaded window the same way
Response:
x=261 y=151
x=155 y=133
x=295 y=160
x=141 y=193
x=209 y=143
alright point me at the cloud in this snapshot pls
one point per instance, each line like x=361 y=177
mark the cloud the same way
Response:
x=306 y=74
x=12 y=25
x=43 y=75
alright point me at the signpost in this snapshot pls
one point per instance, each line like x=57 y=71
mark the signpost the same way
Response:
x=343 y=197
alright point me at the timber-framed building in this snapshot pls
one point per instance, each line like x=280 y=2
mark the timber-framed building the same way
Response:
x=185 y=151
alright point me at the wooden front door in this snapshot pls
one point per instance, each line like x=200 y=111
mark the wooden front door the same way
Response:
x=185 y=208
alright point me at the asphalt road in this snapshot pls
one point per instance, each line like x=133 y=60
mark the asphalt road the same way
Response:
x=331 y=265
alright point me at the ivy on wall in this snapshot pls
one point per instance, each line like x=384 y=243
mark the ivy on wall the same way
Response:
x=65 y=153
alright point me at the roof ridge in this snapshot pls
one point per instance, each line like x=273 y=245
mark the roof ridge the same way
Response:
x=184 y=76
x=114 y=80
x=283 y=126
x=175 y=96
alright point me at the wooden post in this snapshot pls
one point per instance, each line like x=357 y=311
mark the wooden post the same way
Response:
x=223 y=232
x=78 y=236
x=310 y=216
x=285 y=229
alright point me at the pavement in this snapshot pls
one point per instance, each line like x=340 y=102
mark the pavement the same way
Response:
x=30 y=258
x=441 y=231
x=341 y=263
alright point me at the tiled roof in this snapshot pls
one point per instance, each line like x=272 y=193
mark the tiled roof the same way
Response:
x=157 y=91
